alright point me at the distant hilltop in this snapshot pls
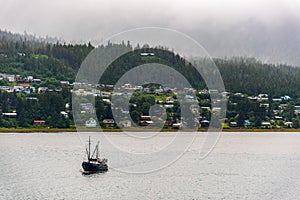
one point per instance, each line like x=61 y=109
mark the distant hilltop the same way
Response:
x=14 y=37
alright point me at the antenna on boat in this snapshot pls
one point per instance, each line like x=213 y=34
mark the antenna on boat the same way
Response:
x=97 y=151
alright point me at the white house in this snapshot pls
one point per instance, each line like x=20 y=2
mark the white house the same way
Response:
x=91 y=123
x=125 y=123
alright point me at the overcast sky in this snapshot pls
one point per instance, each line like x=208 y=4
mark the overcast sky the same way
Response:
x=267 y=29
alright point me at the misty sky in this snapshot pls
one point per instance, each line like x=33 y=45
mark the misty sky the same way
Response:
x=266 y=29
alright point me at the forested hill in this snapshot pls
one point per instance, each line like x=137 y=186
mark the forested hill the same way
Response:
x=14 y=37
x=251 y=77
x=25 y=56
x=40 y=59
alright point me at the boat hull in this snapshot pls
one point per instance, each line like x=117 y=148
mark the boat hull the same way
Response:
x=94 y=167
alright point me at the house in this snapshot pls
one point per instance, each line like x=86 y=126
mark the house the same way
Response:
x=147 y=54
x=277 y=100
x=80 y=92
x=91 y=123
x=205 y=108
x=65 y=114
x=147 y=90
x=32 y=98
x=105 y=94
x=204 y=91
x=138 y=88
x=20 y=79
x=108 y=122
x=261 y=96
x=10 y=115
x=168 y=90
x=87 y=107
x=266 y=124
x=297 y=112
x=127 y=86
x=55 y=90
x=108 y=87
x=5 y=88
x=144 y=117
x=170 y=100
x=288 y=124
x=194 y=108
x=96 y=92
x=27 y=90
x=42 y=89
x=125 y=124
x=213 y=91
x=233 y=124
x=225 y=94
x=190 y=97
x=36 y=80
x=177 y=125
x=168 y=105
x=158 y=91
x=77 y=84
x=247 y=123
x=276 y=112
x=297 y=107
x=67 y=106
x=32 y=89
x=282 y=106
x=189 y=89
x=204 y=123
x=253 y=98
x=3 y=55
x=29 y=78
x=124 y=111
x=10 y=78
x=106 y=100
x=265 y=105
x=278 y=117
x=239 y=94
x=145 y=121
x=21 y=54
x=216 y=109
x=64 y=83
x=39 y=122
x=286 y=97
x=18 y=88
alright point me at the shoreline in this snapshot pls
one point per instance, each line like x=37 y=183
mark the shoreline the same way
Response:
x=53 y=130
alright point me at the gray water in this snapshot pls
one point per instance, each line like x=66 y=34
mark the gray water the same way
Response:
x=241 y=166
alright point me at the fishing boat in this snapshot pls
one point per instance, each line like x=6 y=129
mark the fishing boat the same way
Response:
x=94 y=163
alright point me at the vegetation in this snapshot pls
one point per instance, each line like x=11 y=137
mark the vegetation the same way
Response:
x=54 y=62
x=46 y=106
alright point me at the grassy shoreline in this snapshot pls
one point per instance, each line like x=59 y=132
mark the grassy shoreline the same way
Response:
x=55 y=130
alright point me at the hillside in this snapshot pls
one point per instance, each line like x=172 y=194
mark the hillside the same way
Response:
x=252 y=77
x=27 y=56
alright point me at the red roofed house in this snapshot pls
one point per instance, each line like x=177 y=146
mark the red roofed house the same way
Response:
x=39 y=122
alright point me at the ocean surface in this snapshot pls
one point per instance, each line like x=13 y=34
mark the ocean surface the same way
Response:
x=161 y=166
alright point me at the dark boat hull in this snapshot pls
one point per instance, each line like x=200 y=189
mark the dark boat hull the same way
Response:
x=94 y=167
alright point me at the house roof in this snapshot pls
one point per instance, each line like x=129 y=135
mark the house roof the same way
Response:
x=108 y=121
x=10 y=114
x=39 y=121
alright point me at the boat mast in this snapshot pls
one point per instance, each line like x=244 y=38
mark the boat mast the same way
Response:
x=89 y=154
